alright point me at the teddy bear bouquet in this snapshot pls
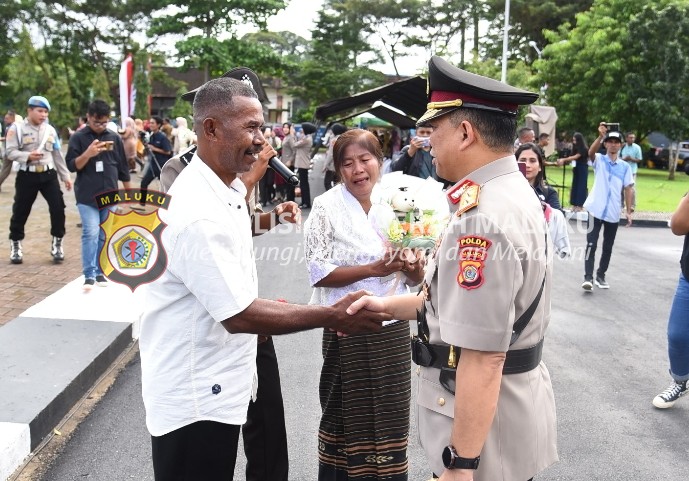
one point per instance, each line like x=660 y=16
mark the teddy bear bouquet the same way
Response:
x=413 y=214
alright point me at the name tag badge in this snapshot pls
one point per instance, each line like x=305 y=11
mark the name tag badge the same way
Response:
x=99 y=166
x=27 y=139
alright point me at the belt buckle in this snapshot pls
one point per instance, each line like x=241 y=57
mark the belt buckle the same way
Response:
x=40 y=169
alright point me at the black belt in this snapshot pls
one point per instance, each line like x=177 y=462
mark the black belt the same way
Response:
x=436 y=355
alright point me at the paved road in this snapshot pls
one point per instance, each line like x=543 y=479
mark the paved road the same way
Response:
x=606 y=352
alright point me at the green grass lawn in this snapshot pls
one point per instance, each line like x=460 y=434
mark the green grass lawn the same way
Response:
x=654 y=193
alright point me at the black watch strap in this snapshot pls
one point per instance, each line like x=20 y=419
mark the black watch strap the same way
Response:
x=452 y=460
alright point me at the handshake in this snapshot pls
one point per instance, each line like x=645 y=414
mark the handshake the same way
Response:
x=358 y=313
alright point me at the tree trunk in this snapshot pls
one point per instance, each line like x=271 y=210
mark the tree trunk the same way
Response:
x=672 y=160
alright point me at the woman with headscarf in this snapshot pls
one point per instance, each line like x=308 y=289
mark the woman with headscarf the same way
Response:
x=130 y=136
x=183 y=137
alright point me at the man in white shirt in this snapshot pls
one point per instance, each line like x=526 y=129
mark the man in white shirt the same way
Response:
x=197 y=341
x=631 y=153
x=613 y=177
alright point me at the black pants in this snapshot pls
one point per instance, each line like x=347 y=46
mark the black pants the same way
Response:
x=304 y=185
x=202 y=450
x=264 y=434
x=27 y=185
x=609 y=232
x=329 y=179
x=151 y=171
x=266 y=188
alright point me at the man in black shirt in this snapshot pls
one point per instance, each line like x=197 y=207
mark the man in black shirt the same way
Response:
x=162 y=151
x=96 y=154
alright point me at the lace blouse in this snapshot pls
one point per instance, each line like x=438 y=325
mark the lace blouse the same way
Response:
x=338 y=233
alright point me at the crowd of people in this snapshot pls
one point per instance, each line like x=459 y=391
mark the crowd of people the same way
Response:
x=209 y=369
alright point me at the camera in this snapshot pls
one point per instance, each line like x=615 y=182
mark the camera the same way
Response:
x=426 y=141
x=612 y=126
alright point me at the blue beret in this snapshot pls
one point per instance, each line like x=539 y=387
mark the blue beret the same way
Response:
x=38 y=101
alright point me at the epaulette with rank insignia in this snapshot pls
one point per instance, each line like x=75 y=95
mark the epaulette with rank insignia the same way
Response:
x=465 y=194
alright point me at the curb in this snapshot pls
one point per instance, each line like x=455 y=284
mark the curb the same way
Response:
x=643 y=221
x=52 y=354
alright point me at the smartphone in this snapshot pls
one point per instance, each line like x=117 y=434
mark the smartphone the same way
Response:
x=426 y=141
x=612 y=126
x=522 y=168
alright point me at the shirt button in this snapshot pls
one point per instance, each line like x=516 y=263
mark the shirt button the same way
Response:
x=441 y=401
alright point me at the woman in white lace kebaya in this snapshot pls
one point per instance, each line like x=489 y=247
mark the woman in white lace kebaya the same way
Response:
x=365 y=385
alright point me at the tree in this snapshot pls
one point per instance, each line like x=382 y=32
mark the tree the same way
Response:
x=528 y=20
x=588 y=67
x=391 y=22
x=337 y=64
x=213 y=20
x=657 y=81
x=439 y=24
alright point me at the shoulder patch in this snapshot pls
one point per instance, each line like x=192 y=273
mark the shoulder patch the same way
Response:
x=473 y=251
x=465 y=194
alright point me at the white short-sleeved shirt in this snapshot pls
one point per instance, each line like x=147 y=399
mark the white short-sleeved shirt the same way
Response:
x=193 y=369
x=605 y=199
x=339 y=233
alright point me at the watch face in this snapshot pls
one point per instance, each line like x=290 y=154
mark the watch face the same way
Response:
x=447 y=457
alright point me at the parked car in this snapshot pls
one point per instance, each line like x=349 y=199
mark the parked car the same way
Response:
x=659 y=157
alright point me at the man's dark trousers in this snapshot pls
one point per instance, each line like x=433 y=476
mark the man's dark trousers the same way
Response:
x=265 y=435
x=27 y=186
x=609 y=232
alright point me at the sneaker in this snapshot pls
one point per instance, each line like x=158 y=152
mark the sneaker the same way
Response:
x=669 y=397
x=88 y=284
x=587 y=285
x=601 y=283
x=56 y=250
x=101 y=280
x=16 y=255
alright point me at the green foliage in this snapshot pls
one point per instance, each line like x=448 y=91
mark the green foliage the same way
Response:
x=588 y=68
x=214 y=19
x=182 y=108
x=141 y=84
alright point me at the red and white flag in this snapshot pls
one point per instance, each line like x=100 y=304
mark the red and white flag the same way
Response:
x=127 y=90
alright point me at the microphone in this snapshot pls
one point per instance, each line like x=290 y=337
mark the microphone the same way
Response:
x=283 y=171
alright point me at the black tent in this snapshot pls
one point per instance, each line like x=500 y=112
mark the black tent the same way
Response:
x=383 y=112
x=408 y=95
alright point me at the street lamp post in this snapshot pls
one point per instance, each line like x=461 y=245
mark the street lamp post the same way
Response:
x=505 y=32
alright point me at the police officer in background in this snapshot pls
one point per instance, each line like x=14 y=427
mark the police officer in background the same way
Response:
x=486 y=406
x=35 y=145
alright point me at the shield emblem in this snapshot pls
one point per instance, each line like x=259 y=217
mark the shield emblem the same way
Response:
x=132 y=253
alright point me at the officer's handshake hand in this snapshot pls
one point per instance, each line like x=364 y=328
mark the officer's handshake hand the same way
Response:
x=360 y=321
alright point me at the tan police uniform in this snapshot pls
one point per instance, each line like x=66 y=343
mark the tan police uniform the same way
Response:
x=485 y=273
x=474 y=303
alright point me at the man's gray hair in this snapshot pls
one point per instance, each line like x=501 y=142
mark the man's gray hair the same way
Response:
x=214 y=98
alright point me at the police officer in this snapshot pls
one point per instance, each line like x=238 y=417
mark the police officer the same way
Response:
x=486 y=408
x=34 y=144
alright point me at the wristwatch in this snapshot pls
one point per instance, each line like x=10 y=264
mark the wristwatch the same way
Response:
x=452 y=460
